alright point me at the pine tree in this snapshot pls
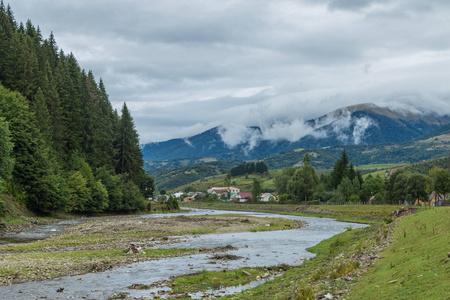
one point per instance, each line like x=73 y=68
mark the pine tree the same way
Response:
x=256 y=191
x=340 y=170
x=129 y=158
x=42 y=115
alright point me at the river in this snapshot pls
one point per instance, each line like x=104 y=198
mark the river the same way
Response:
x=256 y=249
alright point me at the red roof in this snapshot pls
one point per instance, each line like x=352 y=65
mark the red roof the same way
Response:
x=245 y=195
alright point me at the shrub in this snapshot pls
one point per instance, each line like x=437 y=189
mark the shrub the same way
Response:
x=305 y=293
x=2 y=207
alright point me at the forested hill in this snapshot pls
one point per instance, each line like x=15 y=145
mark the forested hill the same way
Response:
x=62 y=146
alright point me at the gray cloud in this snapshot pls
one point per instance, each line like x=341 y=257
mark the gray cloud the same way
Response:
x=184 y=67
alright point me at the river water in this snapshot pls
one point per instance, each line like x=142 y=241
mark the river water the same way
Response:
x=256 y=249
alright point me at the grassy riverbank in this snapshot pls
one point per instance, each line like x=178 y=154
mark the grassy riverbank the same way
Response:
x=368 y=214
x=403 y=259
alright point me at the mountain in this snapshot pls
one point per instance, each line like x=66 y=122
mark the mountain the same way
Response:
x=364 y=124
x=426 y=152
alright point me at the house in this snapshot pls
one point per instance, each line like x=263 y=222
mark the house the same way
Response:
x=241 y=197
x=194 y=196
x=266 y=197
x=177 y=195
x=220 y=190
x=435 y=199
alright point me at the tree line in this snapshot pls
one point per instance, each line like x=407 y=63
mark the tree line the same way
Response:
x=344 y=184
x=62 y=145
x=249 y=168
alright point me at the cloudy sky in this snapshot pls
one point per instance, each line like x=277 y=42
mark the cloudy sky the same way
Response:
x=184 y=67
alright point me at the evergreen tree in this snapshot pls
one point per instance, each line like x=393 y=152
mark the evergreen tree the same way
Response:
x=34 y=170
x=54 y=110
x=42 y=115
x=256 y=191
x=340 y=170
x=129 y=158
x=6 y=148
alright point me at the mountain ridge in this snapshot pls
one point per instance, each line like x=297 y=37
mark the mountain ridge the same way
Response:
x=362 y=124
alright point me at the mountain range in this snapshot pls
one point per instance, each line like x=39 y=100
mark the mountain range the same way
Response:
x=364 y=124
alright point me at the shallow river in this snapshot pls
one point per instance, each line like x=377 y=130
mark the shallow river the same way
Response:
x=256 y=249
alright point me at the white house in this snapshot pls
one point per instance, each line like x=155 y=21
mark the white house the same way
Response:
x=266 y=197
x=220 y=190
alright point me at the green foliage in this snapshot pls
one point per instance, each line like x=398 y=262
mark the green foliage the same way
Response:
x=304 y=182
x=132 y=197
x=79 y=193
x=129 y=159
x=371 y=187
x=6 y=148
x=249 y=168
x=256 y=191
x=340 y=171
x=2 y=207
x=172 y=204
x=354 y=198
x=281 y=180
x=114 y=187
x=51 y=110
x=441 y=182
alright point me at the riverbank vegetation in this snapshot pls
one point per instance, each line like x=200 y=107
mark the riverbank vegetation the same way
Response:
x=369 y=214
x=392 y=259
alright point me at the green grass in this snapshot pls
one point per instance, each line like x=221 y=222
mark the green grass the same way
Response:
x=414 y=263
x=378 y=166
x=205 y=280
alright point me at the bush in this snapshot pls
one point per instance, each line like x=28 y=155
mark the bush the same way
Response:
x=2 y=207
x=354 y=198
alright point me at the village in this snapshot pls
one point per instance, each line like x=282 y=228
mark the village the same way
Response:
x=234 y=195
x=225 y=194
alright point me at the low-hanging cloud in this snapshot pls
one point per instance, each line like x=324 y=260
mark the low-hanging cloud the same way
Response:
x=340 y=124
x=360 y=128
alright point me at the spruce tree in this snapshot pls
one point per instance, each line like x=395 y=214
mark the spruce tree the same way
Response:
x=129 y=159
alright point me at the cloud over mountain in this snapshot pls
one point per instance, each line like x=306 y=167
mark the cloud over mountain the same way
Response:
x=185 y=67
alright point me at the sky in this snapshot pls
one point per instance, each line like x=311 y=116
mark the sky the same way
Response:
x=184 y=67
